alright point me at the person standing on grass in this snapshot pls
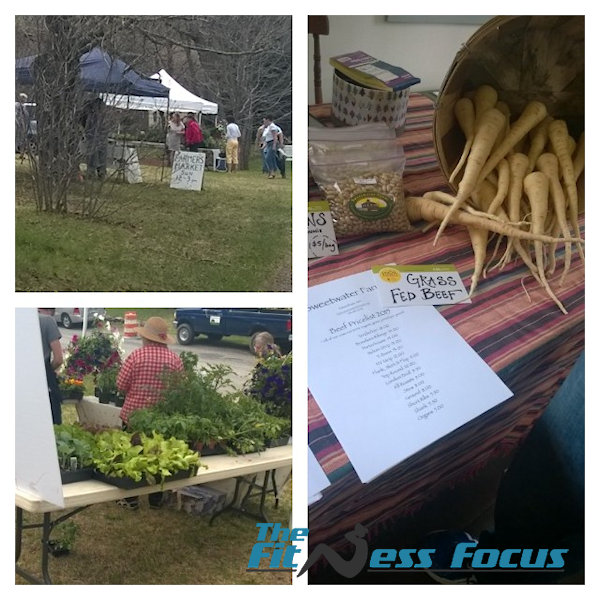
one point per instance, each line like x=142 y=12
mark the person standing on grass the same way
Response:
x=280 y=154
x=193 y=133
x=232 y=149
x=270 y=135
x=175 y=134
x=53 y=358
x=96 y=138
x=260 y=145
x=140 y=379
x=21 y=125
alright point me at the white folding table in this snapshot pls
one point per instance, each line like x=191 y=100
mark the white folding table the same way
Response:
x=80 y=495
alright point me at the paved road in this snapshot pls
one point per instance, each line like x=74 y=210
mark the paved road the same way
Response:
x=241 y=360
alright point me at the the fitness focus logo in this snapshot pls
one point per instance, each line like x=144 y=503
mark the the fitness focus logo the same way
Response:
x=277 y=546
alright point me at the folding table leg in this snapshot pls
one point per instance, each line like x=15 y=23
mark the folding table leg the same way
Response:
x=251 y=485
x=46 y=529
x=274 y=489
x=268 y=485
x=263 y=494
x=46 y=526
x=19 y=533
x=231 y=504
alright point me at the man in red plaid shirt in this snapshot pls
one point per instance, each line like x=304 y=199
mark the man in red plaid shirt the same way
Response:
x=140 y=375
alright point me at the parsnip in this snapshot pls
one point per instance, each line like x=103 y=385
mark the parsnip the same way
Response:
x=532 y=114
x=490 y=126
x=547 y=163
x=425 y=209
x=464 y=111
x=537 y=188
x=558 y=134
x=538 y=140
x=484 y=98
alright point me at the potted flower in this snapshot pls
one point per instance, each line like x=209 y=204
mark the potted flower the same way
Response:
x=271 y=384
x=61 y=545
x=92 y=353
x=106 y=386
x=72 y=388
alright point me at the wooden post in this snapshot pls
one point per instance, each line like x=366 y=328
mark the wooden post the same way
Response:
x=318 y=25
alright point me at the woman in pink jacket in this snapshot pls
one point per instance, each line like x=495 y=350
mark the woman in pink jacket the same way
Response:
x=193 y=133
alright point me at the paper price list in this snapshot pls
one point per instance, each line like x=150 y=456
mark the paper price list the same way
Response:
x=400 y=369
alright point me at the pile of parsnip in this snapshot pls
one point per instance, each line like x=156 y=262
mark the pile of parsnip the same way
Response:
x=517 y=178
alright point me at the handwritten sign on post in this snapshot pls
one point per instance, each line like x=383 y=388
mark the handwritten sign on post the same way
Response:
x=418 y=285
x=321 y=234
x=188 y=170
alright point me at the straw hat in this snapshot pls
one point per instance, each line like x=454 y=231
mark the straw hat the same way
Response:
x=155 y=329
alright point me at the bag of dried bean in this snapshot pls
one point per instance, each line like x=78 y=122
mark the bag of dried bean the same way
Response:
x=362 y=181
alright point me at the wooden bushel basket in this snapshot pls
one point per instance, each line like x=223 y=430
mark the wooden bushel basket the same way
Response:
x=524 y=58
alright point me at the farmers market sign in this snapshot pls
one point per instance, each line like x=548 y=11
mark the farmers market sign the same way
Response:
x=188 y=170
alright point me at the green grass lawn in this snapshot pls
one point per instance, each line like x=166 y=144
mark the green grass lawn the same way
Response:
x=156 y=547
x=148 y=547
x=235 y=235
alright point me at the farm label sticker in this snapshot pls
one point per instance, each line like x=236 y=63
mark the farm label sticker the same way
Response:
x=419 y=285
x=371 y=206
x=321 y=235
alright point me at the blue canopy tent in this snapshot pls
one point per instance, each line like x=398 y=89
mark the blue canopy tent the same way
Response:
x=100 y=73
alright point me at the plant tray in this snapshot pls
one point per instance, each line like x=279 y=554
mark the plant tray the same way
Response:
x=121 y=482
x=282 y=441
x=206 y=451
x=78 y=475
x=129 y=484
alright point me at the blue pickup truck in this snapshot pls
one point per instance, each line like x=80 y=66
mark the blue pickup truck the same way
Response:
x=218 y=322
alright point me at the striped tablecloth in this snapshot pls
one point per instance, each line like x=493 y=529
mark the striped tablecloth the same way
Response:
x=522 y=336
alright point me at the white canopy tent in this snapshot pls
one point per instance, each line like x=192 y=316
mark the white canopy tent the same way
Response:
x=179 y=99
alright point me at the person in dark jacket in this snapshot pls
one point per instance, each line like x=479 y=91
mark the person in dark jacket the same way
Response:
x=53 y=358
x=96 y=138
